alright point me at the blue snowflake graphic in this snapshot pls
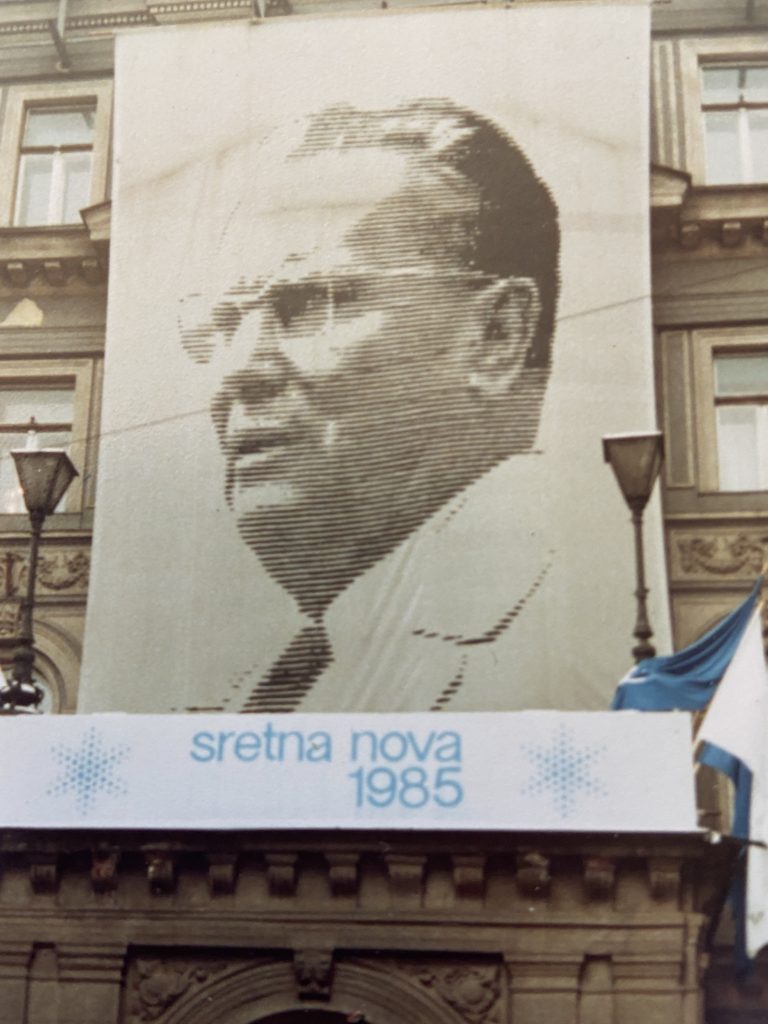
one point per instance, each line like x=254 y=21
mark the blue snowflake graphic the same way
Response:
x=88 y=770
x=563 y=771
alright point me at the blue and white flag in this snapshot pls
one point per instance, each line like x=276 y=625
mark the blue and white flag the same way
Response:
x=735 y=730
x=686 y=680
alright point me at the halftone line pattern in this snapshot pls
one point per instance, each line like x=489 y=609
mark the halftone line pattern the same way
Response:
x=368 y=380
x=293 y=674
x=397 y=486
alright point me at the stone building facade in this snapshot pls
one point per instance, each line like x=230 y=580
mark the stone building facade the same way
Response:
x=187 y=929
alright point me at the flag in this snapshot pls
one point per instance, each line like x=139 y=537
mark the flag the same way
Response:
x=735 y=731
x=686 y=680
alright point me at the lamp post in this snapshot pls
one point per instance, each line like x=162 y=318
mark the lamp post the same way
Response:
x=44 y=475
x=636 y=461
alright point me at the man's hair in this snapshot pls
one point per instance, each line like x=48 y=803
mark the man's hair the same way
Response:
x=516 y=231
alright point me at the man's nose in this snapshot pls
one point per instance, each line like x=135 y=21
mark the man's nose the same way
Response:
x=256 y=376
x=256 y=366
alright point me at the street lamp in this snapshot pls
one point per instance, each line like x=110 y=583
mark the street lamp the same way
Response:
x=44 y=475
x=636 y=461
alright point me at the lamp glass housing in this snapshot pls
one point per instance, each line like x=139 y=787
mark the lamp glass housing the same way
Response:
x=636 y=461
x=44 y=476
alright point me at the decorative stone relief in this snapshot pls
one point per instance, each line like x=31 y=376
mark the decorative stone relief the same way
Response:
x=313 y=969
x=104 y=863
x=725 y=554
x=161 y=871
x=473 y=990
x=64 y=570
x=59 y=570
x=157 y=984
x=10 y=614
x=44 y=872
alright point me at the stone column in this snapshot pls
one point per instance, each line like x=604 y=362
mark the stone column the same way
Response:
x=14 y=964
x=543 y=990
x=596 y=1002
x=89 y=983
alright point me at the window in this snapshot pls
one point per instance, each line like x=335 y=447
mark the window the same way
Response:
x=63 y=397
x=55 y=162
x=51 y=406
x=741 y=412
x=716 y=398
x=735 y=105
x=54 y=152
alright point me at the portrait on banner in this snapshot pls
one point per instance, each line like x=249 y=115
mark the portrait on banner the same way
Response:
x=374 y=385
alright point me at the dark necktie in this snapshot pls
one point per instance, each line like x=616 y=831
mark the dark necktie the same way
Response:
x=292 y=675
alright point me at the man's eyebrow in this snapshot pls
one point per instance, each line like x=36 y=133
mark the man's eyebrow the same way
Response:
x=224 y=314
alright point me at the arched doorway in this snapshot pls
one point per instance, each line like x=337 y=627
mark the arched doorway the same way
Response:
x=309 y=1016
x=266 y=994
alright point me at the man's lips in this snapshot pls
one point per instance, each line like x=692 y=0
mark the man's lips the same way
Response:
x=248 y=452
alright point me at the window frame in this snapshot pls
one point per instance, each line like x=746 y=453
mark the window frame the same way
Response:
x=694 y=55
x=80 y=372
x=57 y=190
x=20 y=99
x=741 y=109
x=707 y=346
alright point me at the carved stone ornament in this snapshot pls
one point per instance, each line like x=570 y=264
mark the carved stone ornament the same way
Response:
x=64 y=570
x=722 y=555
x=532 y=876
x=10 y=614
x=58 y=570
x=157 y=984
x=104 y=864
x=473 y=991
x=313 y=969
x=44 y=872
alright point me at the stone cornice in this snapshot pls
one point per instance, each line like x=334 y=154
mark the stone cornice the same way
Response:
x=53 y=255
x=688 y=218
x=529 y=867
x=151 y=12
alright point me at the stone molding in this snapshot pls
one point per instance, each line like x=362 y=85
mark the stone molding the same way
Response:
x=371 y=988
x=276 y=878
x=51 y=256
x=685 y=217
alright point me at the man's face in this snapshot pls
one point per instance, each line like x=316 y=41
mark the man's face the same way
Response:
x=341 y=337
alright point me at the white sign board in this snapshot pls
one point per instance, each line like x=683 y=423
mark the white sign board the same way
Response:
x=535 y=770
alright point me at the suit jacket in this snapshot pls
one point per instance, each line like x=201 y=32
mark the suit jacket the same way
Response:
x=458 y=617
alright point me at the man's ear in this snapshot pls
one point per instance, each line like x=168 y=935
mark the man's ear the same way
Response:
x=510 y=311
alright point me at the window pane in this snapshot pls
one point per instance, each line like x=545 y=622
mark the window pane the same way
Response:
x=758 y=134
x=11 y=499
x=741 y=375
x=47 y=405
x=720 y=85
x=35 y=178
x=737 y=446
x=65 y=126
x=756 y=84
x=721 y=129
x=76 y=187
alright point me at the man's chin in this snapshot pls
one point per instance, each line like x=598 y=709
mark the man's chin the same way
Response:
x=262 y=500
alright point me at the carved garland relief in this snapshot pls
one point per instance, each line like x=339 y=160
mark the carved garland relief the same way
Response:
x=722 y=555
x=157 y=984
x=59 y=570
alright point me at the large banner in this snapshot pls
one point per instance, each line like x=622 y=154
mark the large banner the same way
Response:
x=378 y=287
x=534 y=770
